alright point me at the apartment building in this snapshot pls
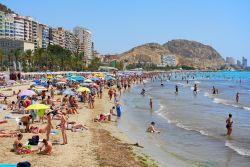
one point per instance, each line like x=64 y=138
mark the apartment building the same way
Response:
x=2 y=24
x=19 y=27
x=85 y=43
x=9 y=26
x=28 y=29
x=71 y=41
x=25 y=28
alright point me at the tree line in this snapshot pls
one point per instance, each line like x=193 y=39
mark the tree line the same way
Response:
x=54 y=58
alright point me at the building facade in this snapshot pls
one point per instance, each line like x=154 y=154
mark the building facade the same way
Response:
x=230 y=61
x=6 y=45
x=244 y=62
x=238 y=63
x=26 y=29
x=85 y=42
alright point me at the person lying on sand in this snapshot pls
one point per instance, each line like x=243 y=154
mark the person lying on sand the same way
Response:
x=151 y=128
x=46 y=148
x=7 y=134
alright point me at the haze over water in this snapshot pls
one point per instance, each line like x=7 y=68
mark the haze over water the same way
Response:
x=193 y=128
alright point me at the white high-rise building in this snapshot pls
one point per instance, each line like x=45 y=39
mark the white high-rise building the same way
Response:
x=85 y=42
x=9 y=26
x=19 y=27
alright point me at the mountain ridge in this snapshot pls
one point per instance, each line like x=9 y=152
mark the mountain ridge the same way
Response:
x=189 y=53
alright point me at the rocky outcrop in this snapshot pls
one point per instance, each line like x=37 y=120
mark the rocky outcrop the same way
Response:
x=195 y=54
x=189 y=53
x=149 y=53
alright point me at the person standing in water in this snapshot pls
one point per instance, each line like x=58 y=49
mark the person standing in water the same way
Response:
x=151 y=103
x=195 y=89
x=237 y=98
x=229 y=123
x=176 y=89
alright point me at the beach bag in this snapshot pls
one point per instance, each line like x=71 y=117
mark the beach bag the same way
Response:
x=34 y=140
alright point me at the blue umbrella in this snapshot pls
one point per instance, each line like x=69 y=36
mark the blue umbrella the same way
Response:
x=109 y=79
x=95 y=79
x=71 y=79
x=69 y=92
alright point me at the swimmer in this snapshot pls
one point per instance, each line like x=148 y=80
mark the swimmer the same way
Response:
x=151 y=128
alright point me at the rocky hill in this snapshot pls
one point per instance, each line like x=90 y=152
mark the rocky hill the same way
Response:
x=189 y=53
x=193 y=53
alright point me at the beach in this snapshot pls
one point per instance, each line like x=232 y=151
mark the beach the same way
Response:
x=103 y=144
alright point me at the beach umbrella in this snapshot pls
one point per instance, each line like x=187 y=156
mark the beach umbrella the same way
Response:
x=59 y=76
x=27 y=93
x=84 y=84
x=49 y=77
x=63 y=80
x=69 y=92
x=83 y=89
x=110 y=79
x=60 y=83
x=37 y=107
x=87 y=81
x=69 y=75
x=94 y=79
x=90 y=77
x=71 y=79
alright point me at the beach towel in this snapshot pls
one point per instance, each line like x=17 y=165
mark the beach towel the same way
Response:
x=7 y=165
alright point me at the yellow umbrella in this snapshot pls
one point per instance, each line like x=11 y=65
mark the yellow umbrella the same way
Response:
x=83 y=89
x=37 y=107
x=49 y=77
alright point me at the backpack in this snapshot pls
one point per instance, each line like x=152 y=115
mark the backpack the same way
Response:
x=34 y=140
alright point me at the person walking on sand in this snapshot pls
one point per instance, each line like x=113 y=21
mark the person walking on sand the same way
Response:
x=110 y=92
x=63 y=128
x=237 y=97
x=151 y=103
x=229 y=123
x=49 y=126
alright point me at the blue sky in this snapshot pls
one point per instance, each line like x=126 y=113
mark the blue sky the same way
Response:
x=119 y=25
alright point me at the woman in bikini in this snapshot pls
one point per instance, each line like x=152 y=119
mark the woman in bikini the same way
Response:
x=63 y=128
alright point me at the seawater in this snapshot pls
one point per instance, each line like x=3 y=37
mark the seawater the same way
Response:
x=193 y=128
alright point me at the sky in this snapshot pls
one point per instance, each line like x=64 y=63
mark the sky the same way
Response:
x=119 y=25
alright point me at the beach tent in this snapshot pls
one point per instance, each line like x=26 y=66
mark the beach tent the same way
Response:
x=27 y=93
x=37 y=107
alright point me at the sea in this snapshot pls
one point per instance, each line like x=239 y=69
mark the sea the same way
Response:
x=192 y=127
